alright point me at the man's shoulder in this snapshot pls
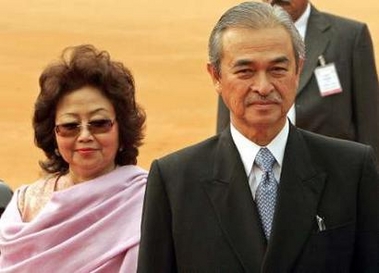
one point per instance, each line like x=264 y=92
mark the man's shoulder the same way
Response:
x=199 y=150
x=315 y=137
x=336 y=156
x=333 y=147
x=5 y=194
x=4 y=187
x=339 y=20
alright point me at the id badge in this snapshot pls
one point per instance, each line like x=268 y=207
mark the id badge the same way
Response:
x=327 y=78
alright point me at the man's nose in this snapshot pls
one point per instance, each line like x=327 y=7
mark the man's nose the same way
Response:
x=262 y=84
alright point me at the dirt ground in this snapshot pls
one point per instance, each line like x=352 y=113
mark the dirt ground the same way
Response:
x=164 y=43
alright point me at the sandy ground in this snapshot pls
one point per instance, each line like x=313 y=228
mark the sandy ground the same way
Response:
x=164 y=43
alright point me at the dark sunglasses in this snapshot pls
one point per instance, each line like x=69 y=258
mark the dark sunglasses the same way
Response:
x=72 y=129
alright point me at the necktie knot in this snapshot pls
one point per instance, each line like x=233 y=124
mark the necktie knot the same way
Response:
x=265 y=160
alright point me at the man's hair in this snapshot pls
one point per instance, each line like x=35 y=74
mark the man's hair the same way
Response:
x=253 y=15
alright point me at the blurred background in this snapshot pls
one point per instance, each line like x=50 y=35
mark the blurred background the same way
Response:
x=164 y=44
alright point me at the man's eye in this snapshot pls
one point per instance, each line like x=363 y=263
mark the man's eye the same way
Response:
x=279 y=69
x=244 y=71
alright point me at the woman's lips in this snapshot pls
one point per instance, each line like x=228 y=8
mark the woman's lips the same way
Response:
x=86 y=150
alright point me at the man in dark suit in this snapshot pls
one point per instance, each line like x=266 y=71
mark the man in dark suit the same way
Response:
x=351 y=114
x=6 y=194
x=217 y=207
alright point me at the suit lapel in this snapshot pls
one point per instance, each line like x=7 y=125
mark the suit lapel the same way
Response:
x=316 y=40
x=300 y=189
x=232 y=201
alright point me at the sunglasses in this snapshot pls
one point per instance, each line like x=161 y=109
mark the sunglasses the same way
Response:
x=95 y=127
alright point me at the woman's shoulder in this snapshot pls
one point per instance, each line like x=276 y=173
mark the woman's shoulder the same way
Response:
x=32 y=198
x=132 y=171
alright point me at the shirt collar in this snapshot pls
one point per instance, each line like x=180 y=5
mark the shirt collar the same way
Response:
x=248 y=149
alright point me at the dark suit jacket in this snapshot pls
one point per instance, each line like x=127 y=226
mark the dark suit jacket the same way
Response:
x=199 y=214
x=352 y=114
x=6 y=194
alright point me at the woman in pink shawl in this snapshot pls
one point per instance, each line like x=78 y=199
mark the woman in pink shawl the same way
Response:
x=84 y=215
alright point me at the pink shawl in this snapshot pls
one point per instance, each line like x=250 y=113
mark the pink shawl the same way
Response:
x=90 y=227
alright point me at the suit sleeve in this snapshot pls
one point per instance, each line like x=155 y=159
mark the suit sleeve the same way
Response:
x=366 y=256
x=156 y=252
x=366 y=90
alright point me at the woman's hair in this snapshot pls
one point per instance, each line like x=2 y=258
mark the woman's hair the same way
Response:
x=253 y=15
x=81 y=66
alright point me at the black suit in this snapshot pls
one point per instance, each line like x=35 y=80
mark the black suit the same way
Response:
x=352 y=114
x=200 y=216
x=6 y=194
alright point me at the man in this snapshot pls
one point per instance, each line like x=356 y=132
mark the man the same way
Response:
x=349 y=111
x=217 y=207
x=6 y=194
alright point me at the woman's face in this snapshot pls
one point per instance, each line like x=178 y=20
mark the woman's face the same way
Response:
x=86 y=133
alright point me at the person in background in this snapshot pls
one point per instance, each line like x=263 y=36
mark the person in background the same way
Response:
x=5 y=196
x=262 y=196
x=338 y=93
x=84 y=215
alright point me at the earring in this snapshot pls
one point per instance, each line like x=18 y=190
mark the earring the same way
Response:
x=56 y=152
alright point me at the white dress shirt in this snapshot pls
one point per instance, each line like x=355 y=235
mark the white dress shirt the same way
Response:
x=248 y=151
x=301 y=23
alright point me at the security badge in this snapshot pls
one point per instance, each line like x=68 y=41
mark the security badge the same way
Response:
x=327 y=78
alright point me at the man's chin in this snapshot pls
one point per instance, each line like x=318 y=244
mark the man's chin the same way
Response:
x=266 y=122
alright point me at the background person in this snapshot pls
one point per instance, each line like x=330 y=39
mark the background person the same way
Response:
x=84 y=215
x=5 y=196
x=217 y=207
x=350 y=114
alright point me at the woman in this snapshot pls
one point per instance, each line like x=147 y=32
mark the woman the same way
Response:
x=84 y=215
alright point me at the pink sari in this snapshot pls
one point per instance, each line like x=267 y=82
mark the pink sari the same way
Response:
x=90 y=227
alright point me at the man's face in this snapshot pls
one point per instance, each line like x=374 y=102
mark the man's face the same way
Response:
x=295 y=8
x=258 y=77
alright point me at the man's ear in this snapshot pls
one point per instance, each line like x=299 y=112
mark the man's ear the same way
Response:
x=215 y=76
x=300 y=65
